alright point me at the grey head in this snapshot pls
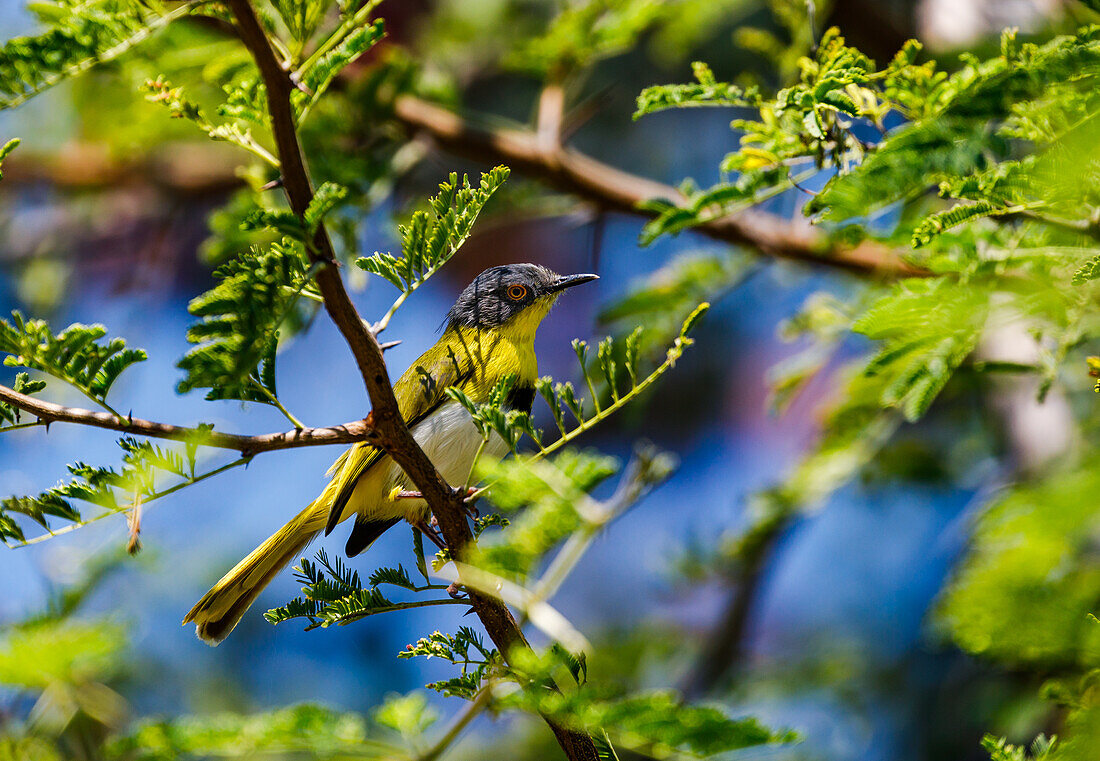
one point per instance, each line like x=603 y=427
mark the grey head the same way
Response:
x=500 y=293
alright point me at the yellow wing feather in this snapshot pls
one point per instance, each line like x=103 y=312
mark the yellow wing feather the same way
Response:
x=470 y=359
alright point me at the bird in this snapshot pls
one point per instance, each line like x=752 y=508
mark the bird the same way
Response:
x=489 y=336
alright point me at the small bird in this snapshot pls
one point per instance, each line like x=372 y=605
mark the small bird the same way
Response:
x=489 y=336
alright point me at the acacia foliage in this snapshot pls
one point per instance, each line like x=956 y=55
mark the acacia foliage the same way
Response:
x=982 y=170
x=264 y=293
x=983 y=173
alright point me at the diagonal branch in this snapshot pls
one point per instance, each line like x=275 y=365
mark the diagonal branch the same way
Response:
x=447 y=503
x=48 y=412
x=610 y=188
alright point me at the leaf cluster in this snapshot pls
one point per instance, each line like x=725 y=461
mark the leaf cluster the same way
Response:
x=77 y=35
x=333 y=593
x=10 y=415
x=466 y=649
x=432 y=236
x=656 y=723
x=112 y=491
x=75 y=355
x=241 y=316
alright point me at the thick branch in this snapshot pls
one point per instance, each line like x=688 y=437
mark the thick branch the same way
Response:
x=614 y=189
x=48 y=412
x=394 y=436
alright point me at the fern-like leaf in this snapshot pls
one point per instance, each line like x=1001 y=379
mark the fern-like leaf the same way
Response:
x=76 y=355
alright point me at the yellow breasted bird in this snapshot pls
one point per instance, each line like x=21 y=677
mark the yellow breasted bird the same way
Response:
x=490 y=335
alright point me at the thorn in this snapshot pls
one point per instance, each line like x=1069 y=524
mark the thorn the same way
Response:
x=389 y=345
x=130 y=418
x=276 y=183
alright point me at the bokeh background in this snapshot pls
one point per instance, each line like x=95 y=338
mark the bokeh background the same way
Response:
x=103 y=215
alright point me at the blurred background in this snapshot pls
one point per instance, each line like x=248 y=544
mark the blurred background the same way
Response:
x=109 y=213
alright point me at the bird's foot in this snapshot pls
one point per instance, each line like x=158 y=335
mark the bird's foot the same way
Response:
x=470 y=502
x=431 y=533
x=457 y=591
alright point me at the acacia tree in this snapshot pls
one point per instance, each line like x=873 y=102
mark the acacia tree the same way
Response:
x=296 y=54
x=1007 y=140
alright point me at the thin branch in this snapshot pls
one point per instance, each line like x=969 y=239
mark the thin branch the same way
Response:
x=146 y=501
x=17 y=426
x=480 y=702
x=394 y=437
x=724 y=649
x=551 y=115
x=48 y=412
x=614 y=189
x=342 y=620
x=298 y=424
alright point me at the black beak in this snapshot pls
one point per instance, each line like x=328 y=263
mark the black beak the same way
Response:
x=568 y=281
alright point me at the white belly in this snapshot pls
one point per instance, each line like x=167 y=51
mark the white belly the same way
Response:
x=450 y=440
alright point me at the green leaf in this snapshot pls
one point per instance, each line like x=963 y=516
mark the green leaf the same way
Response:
x=1088 y=271
x=320 y=75
x=12 y=415
x=1000 y=750
x=432 y=237
x=75 y=355
x=301 y=730
x=657 y=724
x=238 y=335
x=6 y=150
x=327 y=197
x=659 y=301
x=935 y=224
x=302 y=17
x=706 y=92
x=51 y=652
x=78 y=35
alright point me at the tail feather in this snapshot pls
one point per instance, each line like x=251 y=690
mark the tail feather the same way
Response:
x=221 y=608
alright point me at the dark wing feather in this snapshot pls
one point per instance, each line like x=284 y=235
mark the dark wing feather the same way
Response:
x=364 y=533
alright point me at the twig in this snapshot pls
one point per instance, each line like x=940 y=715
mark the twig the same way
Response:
x=550 y=117
x=1090 y=227
x=298 y=424
x=725 y=647
x=48 y=412
x=446 y=503
x=150 y=498
x=410 y=605
x=480 y=702
x=616 y=190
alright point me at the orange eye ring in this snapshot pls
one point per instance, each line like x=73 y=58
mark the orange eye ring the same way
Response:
x=517 y=292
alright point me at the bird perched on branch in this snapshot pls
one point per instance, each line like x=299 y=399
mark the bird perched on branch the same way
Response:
x=489 y=336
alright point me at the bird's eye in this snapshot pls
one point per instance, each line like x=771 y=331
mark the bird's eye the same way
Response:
x=516 y=292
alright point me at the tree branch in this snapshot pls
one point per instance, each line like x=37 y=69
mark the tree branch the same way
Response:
x=724 y=650
x=574 y=172
x=48 y=412
x=447 y=503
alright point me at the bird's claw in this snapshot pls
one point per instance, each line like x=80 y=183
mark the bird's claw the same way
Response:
x=456 y=591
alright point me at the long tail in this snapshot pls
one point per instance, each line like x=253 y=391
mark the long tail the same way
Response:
x=221 y=608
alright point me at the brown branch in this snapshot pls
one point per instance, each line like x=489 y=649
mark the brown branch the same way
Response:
x=447 y=503
x=724 y=650
x=48 y=412
x=610 y=188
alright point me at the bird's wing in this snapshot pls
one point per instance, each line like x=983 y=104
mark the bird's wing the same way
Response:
x=420 y=391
